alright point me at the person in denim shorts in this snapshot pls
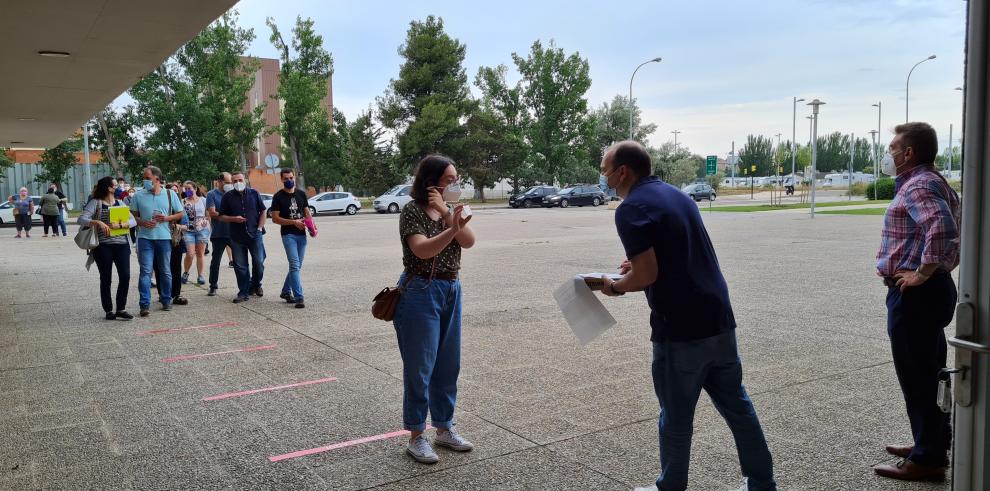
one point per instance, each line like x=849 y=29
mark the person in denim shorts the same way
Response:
x=198 y=235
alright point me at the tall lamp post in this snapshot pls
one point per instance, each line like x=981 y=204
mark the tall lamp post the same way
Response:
x=631 y=111
x=794 y=138
x=876 y=160
x=810 y=129
x=907 y=86
x=876 y=168
x=814 y=148
x=87 y=178
x=675 y=133
x=776 y=168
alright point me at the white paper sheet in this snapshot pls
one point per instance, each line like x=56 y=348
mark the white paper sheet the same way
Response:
x=582 y=310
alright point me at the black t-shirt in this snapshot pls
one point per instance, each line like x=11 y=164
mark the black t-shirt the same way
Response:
x=291 y=206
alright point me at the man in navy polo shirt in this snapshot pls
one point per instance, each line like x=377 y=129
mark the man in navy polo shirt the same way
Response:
x=244 y=210
x=670 y=256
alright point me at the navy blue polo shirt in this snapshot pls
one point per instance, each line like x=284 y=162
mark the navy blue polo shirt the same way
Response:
x=247 y=204
x=689 y=299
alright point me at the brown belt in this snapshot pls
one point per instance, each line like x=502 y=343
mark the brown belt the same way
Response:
x=439 y=275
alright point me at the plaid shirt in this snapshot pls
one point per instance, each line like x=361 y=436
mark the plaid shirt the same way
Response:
x=921 y=225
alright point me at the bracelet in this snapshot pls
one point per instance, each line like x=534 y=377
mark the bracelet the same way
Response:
x=923 y=275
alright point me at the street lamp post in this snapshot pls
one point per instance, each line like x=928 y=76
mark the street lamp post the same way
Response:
x=876 y=160
x=87 y=178
x=675 y=133
x=810 y=129
x=794 y=138
x=631 y=111
x=814 y=148
x=907 y=86
x=876 y=168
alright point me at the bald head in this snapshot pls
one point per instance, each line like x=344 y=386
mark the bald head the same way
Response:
x=631 y=154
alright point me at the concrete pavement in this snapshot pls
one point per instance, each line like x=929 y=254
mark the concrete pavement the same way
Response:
x=90 y=404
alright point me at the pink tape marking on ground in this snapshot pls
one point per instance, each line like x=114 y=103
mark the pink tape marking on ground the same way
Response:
x=268 y=389
x=218 y=353
x=179 y=329
x=335 y=446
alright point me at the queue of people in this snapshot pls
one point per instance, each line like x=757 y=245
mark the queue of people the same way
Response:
x=169 y=220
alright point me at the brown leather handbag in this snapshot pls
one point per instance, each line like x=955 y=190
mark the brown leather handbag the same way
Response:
x=384 y=304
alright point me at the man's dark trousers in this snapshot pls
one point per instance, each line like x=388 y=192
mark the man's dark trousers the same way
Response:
x=219 y=245
x=915 y=323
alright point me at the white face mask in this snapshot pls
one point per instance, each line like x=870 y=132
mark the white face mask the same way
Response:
x=452 y=192
x=240 y=186
x=227 y=187
x=888 y=166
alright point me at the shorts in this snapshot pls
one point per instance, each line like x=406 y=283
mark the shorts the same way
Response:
x=197 y=237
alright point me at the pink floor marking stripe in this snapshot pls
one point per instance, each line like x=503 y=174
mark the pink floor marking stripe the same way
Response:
x=268 y=389
x=204 y=355
x=178 y=329
x=335 y=446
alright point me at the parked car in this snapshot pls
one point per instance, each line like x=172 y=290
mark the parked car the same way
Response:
x=699 y=192
x=585 y=194
x=532 y=196
x=334 y=202
x=7 y=211
x=393 y=200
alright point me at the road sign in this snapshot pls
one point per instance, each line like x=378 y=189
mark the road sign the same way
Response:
x=753 y=168
x=710 y=165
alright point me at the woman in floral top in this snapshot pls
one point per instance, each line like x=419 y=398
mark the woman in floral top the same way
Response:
x=197 y=236
x=428 y=316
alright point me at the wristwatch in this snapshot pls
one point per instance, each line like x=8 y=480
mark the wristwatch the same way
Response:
x=922 y=275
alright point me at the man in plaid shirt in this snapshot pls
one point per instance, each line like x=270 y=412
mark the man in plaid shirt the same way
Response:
x=918 y=250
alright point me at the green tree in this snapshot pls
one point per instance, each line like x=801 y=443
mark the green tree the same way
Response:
x=942 y=159
x=302 y=86
x=426 y=106
x=758 y=151
x=326 y=163
x=374 y=164
x=5 y=163
x=553 y=87
x=612 y=122
x=115 y=136
x=495 y=144
x=56 y=161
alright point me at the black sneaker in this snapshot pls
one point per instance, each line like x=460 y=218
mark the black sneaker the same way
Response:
x=180 y=301
x=123 y=315
x=166 y=307
x=230 y=265
x=241 y=299
x=144 y=312
x=287 y=297
x=212 y=292
x=300 y=305
x=111 y=316
x=258 y=292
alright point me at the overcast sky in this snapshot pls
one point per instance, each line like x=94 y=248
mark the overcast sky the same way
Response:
x=729 y=68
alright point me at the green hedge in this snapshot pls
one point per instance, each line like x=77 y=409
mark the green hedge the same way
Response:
x=885 y=188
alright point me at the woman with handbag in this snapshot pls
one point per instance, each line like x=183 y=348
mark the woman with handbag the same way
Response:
x=113 y=251
x=197 y=236
x=23 y=211
x=428 y=314
x=178 y=231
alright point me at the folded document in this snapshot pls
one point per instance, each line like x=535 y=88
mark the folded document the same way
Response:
x=582 y=310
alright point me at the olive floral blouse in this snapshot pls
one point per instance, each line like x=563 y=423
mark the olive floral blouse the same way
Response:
x=414 y=220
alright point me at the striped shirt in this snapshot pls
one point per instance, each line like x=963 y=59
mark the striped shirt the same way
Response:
x=921 y=225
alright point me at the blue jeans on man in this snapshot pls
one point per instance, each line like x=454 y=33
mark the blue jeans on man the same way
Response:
x=61 y=222
x=248 y=281
x=295 y=251
x=428 y=328
x=157 y=254
x=680 y=371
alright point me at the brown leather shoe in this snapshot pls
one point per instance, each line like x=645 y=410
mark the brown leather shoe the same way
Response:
x=906 y=470
x=902 y=451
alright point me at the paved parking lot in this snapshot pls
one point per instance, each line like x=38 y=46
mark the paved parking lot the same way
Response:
x=169 y=402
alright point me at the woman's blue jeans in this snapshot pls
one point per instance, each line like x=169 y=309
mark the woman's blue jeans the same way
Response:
x=428 y=327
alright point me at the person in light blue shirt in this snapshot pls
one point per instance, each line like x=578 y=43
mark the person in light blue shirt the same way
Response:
x=155 y=208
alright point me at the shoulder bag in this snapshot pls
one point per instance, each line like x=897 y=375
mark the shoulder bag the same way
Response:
x=86 y=237
x=176 y=230
x=384 y=304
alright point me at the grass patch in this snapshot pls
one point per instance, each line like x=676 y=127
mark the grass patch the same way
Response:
x=791 y=206
x=856 y=211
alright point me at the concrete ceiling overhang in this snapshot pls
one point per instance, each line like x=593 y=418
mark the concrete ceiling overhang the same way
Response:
x=111 y=44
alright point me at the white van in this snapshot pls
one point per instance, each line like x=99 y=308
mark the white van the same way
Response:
x=393 y=200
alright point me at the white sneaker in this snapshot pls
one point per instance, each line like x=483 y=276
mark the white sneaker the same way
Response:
x=452 y=440
x=649 y=488
x=745 y=486
x=421 y=450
